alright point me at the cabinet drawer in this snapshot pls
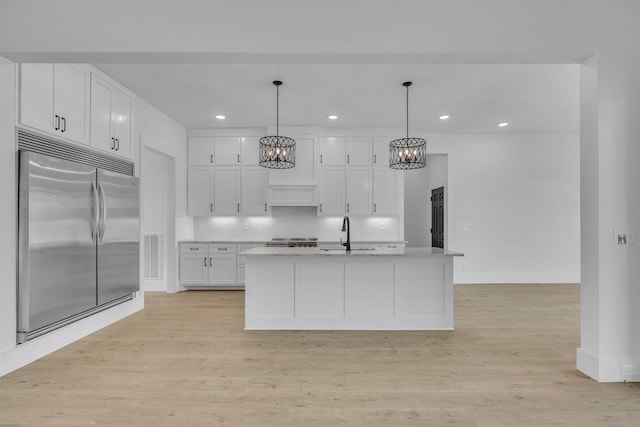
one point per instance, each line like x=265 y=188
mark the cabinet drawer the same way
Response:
x=223 y=249
x=194 y=249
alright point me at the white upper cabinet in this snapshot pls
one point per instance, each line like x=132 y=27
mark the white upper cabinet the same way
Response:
x=384 y=192
x=200 y=150
x=359 y=151
x=111 y=117
x=54 y=99
x=381 y=151
x=358 y=189
x=200 y=185
x=254 y=190
x=332 y=151
x=226 y=190
x=249 y=150
x=227 y=151
x=331 y=184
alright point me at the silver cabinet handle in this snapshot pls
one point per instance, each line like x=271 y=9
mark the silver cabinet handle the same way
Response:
x=205 y=261
x=238 y=158
x=57 y=125
x=210 y=262
x=320 y=207
x=347 y=207
x=113 y=143
x=211 y=208
x=211 y=159
x=374 y=208
x=348 y=159
x=375 y=158
x=223 y=249
x=238 y=207
x=320 y=158
x=265 y=207
x=64 y=124
x=117 y=144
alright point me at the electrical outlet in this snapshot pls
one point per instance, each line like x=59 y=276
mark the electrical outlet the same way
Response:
x=201 y=227
x=465 y=266
x=381 y=226
x=466 y=226
x=245 y=225
x=630 y=370
x=621 y=236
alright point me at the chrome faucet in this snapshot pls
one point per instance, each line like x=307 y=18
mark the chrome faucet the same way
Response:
x=346 y=226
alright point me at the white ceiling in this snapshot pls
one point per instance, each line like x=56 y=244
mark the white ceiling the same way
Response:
x=532 y=98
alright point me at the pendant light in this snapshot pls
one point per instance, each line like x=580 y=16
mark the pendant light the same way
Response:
x=277 y=152
x=407 y=153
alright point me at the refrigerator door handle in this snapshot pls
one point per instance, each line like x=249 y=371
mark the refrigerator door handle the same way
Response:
x=95 y=212
x=103 y=213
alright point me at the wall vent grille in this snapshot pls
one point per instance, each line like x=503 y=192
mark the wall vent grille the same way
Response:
x=35 y=143
x=152 y=257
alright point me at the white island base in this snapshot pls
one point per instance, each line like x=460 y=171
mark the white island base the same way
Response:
x=386 y=289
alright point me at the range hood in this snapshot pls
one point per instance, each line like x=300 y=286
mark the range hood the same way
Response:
x=292 y=195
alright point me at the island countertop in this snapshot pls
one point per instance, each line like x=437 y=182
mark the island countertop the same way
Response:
x=277 y=251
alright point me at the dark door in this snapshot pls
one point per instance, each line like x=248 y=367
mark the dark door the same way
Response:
x=437 y=217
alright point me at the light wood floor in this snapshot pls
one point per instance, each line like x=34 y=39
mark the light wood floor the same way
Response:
x=186 y=361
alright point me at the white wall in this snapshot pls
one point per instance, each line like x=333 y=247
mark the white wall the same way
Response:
x=520 y=198
x=165 y=135
x=487 y=31
x=8 y=222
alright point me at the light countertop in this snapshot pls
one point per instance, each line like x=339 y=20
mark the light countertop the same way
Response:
x=354 y=252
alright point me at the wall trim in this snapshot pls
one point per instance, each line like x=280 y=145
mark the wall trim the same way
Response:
x=606 y=369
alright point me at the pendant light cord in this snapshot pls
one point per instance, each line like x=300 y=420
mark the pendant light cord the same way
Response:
x=407 y=112
x=277 y=109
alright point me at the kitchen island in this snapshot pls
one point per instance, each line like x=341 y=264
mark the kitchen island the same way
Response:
x=381 y=289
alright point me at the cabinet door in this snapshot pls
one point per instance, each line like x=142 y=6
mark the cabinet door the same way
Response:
x=227 y=151
x=101 y=131
x=226 y=192
x=332 y=151
x=200 y=150
x=36 y=96
x=254 y=190
x=200 y=191
x=69 y=101
x=358 y=191
x=384 y=192
x=222 y=270
x=194 y=270
x=304 y=171
x=331 y=190
x=381 y=150
x=121 y=113
x=359 y=151
x=249 y=150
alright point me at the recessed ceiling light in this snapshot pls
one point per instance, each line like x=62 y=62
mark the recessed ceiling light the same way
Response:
x=444 y=117
x=503 y=124
x=333 y=117
x=220 y=116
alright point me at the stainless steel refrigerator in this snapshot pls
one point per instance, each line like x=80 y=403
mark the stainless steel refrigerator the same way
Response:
x=78 y=241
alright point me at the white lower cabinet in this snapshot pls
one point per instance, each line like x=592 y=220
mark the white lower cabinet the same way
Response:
x=208 y=265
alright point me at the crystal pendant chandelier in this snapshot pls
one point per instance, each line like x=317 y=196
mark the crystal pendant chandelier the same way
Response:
x=277 y=152
x=408 y=153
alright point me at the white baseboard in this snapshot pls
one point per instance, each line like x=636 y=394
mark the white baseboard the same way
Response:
x=470 y=278
x=607 y=369
x=33 y=350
